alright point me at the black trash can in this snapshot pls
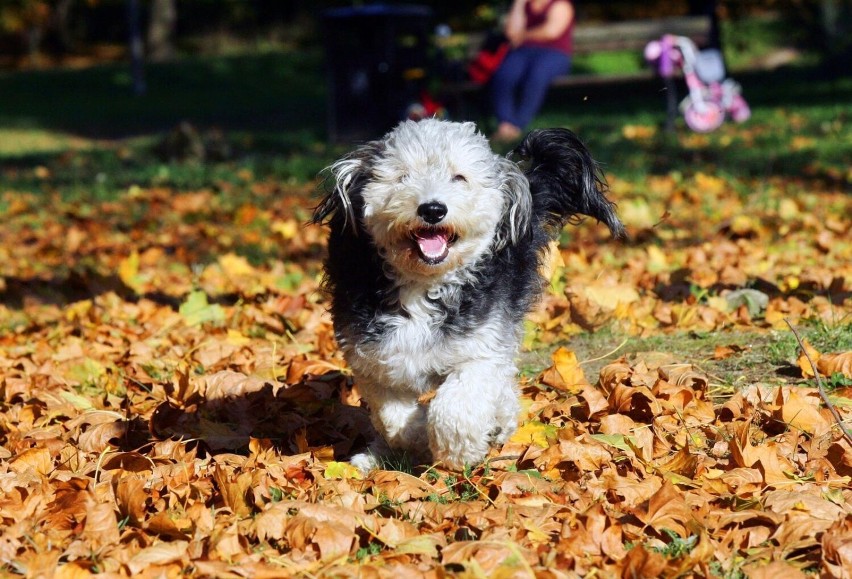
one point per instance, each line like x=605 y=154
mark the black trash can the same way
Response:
x=377 y=58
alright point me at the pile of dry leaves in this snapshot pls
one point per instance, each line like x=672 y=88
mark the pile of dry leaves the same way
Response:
x=172 y=402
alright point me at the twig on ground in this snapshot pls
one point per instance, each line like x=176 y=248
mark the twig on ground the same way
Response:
x=822 y=392
x=607 y=355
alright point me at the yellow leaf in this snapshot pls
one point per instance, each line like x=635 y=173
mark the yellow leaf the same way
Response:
x=743 y=224
x=568 y=367
x=236 y=338
x=804 y=364
x=657 y=259
x=535 y=533
x=421 y=545
x=128 y=272
x=534 y=432
x=609 y=296
x=235 y=266
x=287 y=229
x=788 y=209
x=78 y=310
x=341 y=471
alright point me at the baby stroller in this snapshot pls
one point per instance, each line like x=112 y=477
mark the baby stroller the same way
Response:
x=711 y=95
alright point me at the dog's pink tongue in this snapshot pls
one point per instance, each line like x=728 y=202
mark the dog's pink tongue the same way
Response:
x=433 y=245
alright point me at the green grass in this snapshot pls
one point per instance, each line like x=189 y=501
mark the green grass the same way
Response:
x=765 y=356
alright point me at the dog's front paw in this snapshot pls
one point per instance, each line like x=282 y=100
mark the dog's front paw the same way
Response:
x=501 y=434
x=457 y=451
x=364 y=462
x=464 y=422
x=458 y=439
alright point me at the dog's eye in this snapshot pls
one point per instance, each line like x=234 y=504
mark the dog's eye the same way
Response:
x=459 y=178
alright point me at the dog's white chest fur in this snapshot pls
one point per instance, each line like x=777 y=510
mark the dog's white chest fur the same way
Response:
x=415 y=354
x=410 y=355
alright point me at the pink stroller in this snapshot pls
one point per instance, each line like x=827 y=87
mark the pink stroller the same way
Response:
x=711 y=95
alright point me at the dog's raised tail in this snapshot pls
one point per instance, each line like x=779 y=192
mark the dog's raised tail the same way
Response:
x=565 y=182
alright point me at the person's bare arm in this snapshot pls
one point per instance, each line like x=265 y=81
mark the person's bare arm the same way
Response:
x=559 y=18
x=516 y=22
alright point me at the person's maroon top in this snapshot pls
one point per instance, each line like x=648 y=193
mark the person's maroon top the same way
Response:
x=564 y=43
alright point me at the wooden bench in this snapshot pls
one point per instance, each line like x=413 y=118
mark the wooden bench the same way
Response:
x=593 y=39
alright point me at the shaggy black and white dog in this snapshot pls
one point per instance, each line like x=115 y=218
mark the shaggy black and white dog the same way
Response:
x=434 y=256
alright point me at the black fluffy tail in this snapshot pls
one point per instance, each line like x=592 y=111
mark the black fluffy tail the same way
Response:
x=565 y=181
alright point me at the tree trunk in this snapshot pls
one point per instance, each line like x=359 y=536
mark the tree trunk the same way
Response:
x=61 y=19
x=136 y=49
x=161 y=30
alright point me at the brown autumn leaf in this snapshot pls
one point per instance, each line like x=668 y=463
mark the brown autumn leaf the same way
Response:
x=725 y=352
x=101 y=528
x=229 y=384
x=643 y=563
x=636 y=402
x=37 y=459
x=803 y=361
x=836 y=552
x=830 y=364
x=666 y=509
x=130 y=497
x=773 y=570
x=801 y=409
x=234 y=489
x=334 y=540
x=159 y=554
x=493 y=558
x=73 y=570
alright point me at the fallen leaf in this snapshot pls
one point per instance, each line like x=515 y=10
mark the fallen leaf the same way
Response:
x=830 y=364
x=159 y=554
x=804 y=363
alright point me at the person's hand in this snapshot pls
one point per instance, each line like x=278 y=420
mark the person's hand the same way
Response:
x=515 y=37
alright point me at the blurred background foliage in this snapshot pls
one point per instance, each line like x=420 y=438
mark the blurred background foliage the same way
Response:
x=39 y=32
x=243 y=83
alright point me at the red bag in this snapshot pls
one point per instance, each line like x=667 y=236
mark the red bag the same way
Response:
x=486 y=62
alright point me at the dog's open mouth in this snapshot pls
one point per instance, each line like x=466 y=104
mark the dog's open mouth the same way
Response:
x=433 y=243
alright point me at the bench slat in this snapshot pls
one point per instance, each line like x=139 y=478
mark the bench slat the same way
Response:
x=635 y=34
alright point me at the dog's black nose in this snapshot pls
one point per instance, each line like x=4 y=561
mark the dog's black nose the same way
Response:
x=432 y=212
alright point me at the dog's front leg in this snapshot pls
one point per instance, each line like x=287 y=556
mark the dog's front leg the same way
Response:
x=475 y=408
x=400 y=421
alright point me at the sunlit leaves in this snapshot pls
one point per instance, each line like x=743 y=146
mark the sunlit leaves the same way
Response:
x=172 y=399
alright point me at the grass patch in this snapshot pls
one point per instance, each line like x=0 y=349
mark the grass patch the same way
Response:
x=762 y=357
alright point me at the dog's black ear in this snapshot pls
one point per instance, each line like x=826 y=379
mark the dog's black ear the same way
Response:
x=341 y=205
x=565 y=182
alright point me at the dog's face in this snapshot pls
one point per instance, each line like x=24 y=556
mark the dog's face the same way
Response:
x=432 y=196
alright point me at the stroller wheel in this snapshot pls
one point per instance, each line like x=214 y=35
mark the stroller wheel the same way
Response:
x=739 y=109
x=704 y=121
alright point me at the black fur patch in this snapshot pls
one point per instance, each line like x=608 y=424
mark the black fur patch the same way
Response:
x=564 y=180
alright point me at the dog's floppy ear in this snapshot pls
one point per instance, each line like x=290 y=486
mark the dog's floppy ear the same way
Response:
x=516 y=189
x=344 y=180
x=565 y=182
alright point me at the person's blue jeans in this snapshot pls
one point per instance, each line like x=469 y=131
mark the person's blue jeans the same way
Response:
x=519 y=86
